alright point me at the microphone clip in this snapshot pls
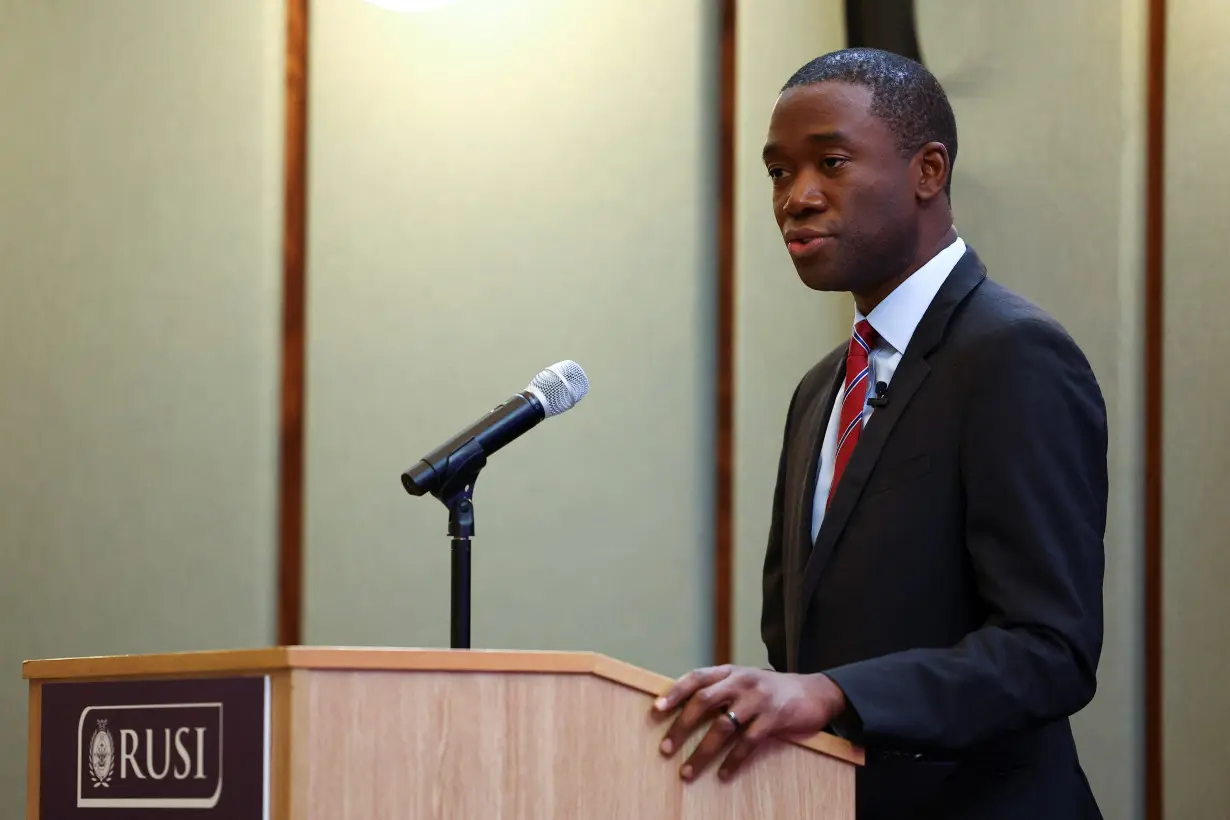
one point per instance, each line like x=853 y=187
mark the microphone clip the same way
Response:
x=880 y=399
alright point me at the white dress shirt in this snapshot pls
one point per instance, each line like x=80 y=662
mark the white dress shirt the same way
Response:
x=895 y=320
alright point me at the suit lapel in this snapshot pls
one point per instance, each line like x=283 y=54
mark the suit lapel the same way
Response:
x=911 y=372
x=906 y=381
x=798 y=544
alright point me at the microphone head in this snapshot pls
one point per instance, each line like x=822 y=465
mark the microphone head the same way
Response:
x=559 y=387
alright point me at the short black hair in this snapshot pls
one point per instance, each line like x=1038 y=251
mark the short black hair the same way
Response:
x=905 y=95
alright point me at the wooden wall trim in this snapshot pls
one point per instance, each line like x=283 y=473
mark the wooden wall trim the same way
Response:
x=723 y=591
x=294 y=241
x=1155 y=192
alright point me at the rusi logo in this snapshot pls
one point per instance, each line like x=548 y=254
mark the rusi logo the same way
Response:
x=157 y=756
x=102 y=755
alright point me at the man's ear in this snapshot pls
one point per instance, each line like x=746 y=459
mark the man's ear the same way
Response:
x=933 y=171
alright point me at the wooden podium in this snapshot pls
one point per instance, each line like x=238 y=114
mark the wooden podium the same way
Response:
x=293 y=733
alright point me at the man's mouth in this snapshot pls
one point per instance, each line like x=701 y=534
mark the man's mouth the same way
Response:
x=804 y=243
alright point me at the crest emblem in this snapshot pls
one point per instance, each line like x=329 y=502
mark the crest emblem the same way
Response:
x=102 y=755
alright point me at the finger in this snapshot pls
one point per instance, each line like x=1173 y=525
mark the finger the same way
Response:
x=689 y=684
x=720 y=733
x=695 y=710
x=744 y=746
x=747 y=708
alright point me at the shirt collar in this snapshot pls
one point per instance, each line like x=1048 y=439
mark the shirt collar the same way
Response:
x=896 y=318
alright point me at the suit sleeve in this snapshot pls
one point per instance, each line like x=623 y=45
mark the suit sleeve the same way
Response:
x=1034 y=476
x=773 y=601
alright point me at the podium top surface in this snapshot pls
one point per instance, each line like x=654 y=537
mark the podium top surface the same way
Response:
x=377 y=659
x=280 y=658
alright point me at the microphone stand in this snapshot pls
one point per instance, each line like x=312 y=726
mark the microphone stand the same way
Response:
x=457 y=493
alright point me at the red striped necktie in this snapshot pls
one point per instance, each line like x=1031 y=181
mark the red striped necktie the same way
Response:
x=858 y=377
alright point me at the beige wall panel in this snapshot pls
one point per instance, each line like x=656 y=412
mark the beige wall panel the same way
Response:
x=1196 y=428
x=496 y=187
x=140 y=164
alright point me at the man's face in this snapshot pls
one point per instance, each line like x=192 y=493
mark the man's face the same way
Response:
x=843 y=192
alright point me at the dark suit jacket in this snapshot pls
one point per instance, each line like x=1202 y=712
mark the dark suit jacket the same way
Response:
x=954 y=591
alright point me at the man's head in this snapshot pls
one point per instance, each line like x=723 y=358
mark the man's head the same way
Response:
x=860 y=150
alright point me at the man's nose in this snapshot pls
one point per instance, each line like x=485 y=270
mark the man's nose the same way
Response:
x=805 y=196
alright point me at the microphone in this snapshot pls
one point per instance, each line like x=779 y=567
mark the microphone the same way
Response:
x=553 y=391
x=881 y=397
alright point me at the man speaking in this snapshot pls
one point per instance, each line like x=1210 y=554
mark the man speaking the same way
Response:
x=933 y=577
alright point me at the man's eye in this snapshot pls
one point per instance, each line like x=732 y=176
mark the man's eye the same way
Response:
x=833 y=163
x=777 y=173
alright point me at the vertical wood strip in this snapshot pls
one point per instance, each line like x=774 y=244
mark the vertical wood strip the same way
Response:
x=282 y=728
x=34 y=752
x=723 y=639
x=294 y=239
x=1155 y=187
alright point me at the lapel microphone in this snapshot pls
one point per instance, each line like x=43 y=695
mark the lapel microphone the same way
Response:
x=880 y=399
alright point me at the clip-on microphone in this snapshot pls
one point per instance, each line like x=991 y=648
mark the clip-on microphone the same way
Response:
x=880 y=399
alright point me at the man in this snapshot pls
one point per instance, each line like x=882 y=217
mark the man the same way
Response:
x=932 y=584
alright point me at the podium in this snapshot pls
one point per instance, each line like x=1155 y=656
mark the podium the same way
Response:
x=299 y=733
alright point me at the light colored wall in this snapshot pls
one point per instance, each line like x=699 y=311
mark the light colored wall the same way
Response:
x=552 y=168
x=496 y=187
x=140 y=156
x=1196 y=521
x=782 y=328
x=1048 y=188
